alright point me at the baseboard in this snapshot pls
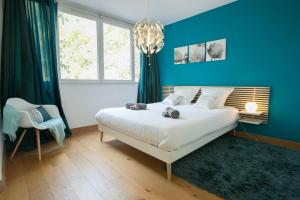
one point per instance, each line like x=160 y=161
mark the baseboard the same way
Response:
x=269 y=140
x=85 y=129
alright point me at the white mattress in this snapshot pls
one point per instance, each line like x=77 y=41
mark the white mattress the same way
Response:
x=168 y=134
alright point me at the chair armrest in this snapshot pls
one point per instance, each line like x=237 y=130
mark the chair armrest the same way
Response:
x=26 y=120
x=52 y=110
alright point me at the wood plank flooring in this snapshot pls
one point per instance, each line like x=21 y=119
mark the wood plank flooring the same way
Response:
x=88 y=169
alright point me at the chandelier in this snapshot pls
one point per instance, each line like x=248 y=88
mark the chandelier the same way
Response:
x=149 y=35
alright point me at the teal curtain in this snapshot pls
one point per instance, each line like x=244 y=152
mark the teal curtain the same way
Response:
x=149 y=89
x=29 y=53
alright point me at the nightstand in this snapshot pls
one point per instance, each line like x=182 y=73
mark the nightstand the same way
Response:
x=250 y=118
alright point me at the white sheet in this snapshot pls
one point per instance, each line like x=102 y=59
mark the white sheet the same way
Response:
x=167 y=134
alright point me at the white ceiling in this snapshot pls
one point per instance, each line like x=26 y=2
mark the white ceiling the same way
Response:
x=166 y=11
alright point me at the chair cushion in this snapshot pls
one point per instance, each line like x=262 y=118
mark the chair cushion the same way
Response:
x=40 y=114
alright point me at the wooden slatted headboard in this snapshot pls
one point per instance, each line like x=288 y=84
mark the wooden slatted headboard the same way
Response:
x=238 y=98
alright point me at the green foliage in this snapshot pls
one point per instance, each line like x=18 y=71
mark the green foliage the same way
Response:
x=116 y=53
x=76 y=55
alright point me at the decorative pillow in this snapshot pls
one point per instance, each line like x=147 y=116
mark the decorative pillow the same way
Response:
x=172 y=99
x=40 y=114
x=206 y=102
x=187 y=92
x=220 y=93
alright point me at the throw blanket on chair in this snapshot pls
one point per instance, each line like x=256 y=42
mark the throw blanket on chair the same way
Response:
x=12 y=119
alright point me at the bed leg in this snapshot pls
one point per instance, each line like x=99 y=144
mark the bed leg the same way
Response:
x=101 y=136
x=169 y=171
x=234 y=131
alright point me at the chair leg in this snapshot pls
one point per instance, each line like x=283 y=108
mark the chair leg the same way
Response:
x=101 y=136
x=169 y=171
x=38 y=142
x=18 y=144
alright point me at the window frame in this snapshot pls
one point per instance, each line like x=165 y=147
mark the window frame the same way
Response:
x=100 y=20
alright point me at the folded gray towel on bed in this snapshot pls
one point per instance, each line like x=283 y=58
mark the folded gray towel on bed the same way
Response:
x=136 y=106
x=166 y=114
x=171 y=112
x=174 y=114
x=128 y=105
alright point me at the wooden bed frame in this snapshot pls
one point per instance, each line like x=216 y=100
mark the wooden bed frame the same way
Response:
x=237 y=99
x=166 y=156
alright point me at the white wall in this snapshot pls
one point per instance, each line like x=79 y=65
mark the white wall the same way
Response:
x=81 y=101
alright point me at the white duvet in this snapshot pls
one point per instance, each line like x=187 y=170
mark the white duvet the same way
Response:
x=166 y=133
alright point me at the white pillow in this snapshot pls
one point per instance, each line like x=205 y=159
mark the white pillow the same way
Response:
x=187 y=92
x=172 y=99
x=206 y=102
x=220 y=93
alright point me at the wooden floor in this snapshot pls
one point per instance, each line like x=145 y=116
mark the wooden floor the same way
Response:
x=88 y=169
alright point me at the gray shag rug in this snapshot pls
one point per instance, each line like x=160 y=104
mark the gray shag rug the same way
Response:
x=238 y=169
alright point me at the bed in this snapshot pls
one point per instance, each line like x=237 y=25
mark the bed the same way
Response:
x=163 y=138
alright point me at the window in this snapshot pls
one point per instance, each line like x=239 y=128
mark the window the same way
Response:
x=117 y=53
x=94 y=48
x=77 y=47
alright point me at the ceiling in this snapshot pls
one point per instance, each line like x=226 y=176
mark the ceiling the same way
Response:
x=167 y=11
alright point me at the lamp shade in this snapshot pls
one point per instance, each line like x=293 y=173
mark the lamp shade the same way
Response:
x=251 y=107
x=148 y=36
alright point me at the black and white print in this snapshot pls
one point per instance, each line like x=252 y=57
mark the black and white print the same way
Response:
x=216 y=50
x=181 y=55
x=197 y=53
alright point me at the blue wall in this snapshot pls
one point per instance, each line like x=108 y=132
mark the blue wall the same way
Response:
x=263 y=49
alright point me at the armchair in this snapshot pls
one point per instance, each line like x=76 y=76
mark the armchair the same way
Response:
x=21 y=118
